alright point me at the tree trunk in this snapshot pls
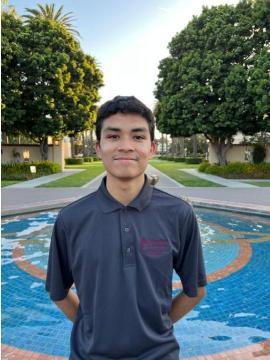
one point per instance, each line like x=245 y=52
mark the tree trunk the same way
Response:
x=72 y=147
x=221 y=148
x=177 y=146
x=181 y=146
x=84 y=143
x=92 y=147
x=43 y=147
x=174 y=147
x=194 y=145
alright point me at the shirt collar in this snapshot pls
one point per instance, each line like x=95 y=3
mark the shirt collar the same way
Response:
x=109 y=203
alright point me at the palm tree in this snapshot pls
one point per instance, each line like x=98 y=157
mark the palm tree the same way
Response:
x=47 y=12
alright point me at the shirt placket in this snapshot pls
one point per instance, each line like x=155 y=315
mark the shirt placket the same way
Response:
x=128 y=249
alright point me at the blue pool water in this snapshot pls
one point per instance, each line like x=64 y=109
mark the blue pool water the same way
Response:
x=235 y=313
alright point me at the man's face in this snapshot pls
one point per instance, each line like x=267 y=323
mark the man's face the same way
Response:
x=125 y=145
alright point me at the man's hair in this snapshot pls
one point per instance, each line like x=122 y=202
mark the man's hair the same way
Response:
x=124 y=105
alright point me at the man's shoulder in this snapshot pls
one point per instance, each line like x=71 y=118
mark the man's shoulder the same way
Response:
x=164 y=199
x=78 y=207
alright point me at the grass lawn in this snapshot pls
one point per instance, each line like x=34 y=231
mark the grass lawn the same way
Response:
x=171 y=169
x=8 y=182
x=92 y=170
x=259 y=183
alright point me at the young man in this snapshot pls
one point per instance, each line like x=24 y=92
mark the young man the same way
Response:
x=119 y=246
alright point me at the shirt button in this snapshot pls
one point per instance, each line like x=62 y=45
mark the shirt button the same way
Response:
x=126 y=229
x=129 y=250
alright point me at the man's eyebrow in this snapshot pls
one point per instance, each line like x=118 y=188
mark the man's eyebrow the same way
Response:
x=109 y=128
x=141 y=129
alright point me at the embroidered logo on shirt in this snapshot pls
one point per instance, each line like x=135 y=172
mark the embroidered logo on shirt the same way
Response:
x=154 y=247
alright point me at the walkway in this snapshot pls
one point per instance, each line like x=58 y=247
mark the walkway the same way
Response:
x=18 y=200
x=44 y=179
x=219 y=180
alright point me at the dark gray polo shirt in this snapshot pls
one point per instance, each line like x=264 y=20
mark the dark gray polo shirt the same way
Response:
x=121 y=259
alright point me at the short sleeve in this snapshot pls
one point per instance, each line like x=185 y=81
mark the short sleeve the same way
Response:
x=59 y=275
x=189 y=263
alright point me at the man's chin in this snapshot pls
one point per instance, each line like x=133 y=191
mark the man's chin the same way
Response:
x=126 y=175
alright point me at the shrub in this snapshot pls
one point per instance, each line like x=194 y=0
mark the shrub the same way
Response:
x=21 y=171
x=259 y=153
x=238 y=170
x=215 y=170
x=193 y=160
x=203 y=165
x=172 y=158
x=91 y=158
x=73 y=161
x=179 y=159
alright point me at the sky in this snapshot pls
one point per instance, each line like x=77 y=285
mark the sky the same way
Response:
x=127 y=38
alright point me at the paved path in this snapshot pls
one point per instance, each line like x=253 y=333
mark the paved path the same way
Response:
x=44 y=179
x=218 y=180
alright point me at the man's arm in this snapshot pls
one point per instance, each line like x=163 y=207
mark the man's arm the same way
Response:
x=69 y=305
x=182 y=304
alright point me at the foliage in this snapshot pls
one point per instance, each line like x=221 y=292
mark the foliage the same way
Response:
x=48 y=12
x=259 y=153
x=90 y=159
x=56 y=84
x=61 y=87
x=12 y=110
x=262 y=137
x=187 y=160
x=193 y=160
x=21 y=171
x=216 y=79
x=203 y=165
x=74 y=161
x=238 y=170
x=176 y=158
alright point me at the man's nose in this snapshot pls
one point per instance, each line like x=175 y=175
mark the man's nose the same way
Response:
x=125 y=145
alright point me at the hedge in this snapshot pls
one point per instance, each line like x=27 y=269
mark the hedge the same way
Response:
x=74 y=161
x=238 y=170
x=90 y=159
x=188 y=160
x=193 y=160
x=178 y=159
x=21 y=170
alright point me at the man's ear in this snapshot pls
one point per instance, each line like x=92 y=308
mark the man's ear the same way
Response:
x=98 y=149
x=153 y=149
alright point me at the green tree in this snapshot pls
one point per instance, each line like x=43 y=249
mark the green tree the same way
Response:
x=11 y=105
x=203 y=86
x=259 y=84
x=48 y=12
x=60 y=83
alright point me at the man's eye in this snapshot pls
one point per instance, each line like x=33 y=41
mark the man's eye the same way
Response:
x=112 y=137
x=139 y=137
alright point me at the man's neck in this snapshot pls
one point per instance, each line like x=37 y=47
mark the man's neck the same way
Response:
x=124 y=191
